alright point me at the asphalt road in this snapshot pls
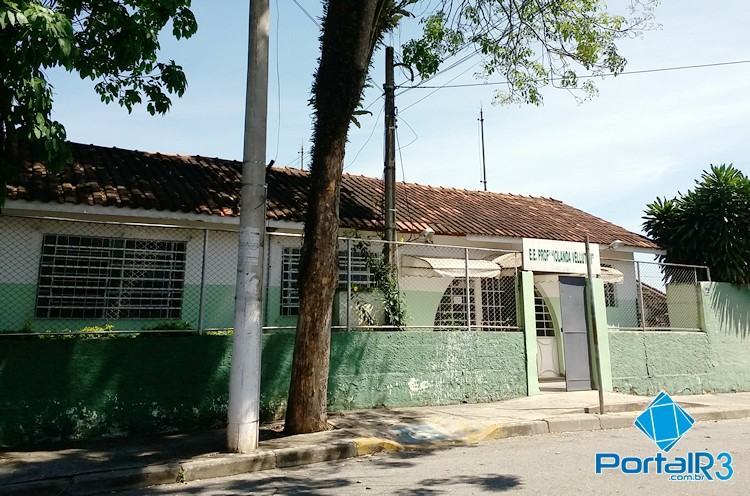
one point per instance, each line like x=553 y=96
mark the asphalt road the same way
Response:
x=555 y=464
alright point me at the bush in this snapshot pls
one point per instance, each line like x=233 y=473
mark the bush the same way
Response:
x=170 y=325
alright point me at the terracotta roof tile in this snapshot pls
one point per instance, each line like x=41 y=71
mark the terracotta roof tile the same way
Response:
x=210 y=186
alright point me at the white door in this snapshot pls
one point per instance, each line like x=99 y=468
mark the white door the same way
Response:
x=547 y=362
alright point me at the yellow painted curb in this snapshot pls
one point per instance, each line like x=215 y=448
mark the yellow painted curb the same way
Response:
x=370 y=445
x=484 y=435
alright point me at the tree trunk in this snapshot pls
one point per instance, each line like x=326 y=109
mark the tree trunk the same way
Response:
x=350 y=32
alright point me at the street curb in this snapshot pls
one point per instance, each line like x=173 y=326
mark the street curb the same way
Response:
x=234 y=464
x=573 y=423
x=371 y=445
x=211 y=468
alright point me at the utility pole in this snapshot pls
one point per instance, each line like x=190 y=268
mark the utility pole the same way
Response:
x=592 y=320
x=302 y=156
x=244 y=379
x=390 y=152
x=484 y=164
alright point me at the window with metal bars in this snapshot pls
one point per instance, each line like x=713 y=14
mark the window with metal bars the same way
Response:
x=290 y=259
x=453 y=306
x=610 y=292
x=498 y=304
x=544 y=325
x=82 y=277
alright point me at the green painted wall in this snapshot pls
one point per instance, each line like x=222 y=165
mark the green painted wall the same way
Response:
x=726 y=315
x=601 y=348
x=647 y=362
x=53 y=389
x=528 y=324
x=717 y=360
x=19 y=300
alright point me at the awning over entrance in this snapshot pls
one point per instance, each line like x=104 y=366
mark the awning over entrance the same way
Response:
x=608 y=275
x=612 y=276
x=447 y=267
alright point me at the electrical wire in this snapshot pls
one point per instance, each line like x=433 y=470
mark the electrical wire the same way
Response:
x=439 y=73
x=403 y=175
x=585 y=76
x=416 y=136
x=372 y=133
x=309 y=16
x=435 y=89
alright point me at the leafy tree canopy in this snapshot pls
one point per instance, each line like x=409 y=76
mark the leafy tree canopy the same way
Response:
x=530 y=43
x=114 y=43
x=709 y=225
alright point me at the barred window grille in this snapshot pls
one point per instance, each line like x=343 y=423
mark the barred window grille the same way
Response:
x=290 y=281
x=544 y=324
x=453 y=305
x=290 y=260
x=610 y=292
x=110 y=278
x=499 y=302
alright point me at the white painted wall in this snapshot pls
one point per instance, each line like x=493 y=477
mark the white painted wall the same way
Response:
x=21 y=243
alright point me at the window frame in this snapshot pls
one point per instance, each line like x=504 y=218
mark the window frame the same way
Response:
x=85 y=277
x=542 y=309
x=290 y=261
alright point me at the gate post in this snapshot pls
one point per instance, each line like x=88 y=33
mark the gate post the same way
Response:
x=527 y=321
x=599 y=308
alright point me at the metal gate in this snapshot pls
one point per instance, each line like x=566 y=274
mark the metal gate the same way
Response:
x=575 y=333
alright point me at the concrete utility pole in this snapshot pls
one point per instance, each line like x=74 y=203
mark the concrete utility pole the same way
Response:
x=390 y=149
x=484 y=163
x=244 y=381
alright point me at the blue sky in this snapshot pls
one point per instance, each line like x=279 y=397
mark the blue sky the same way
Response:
x=643 y=136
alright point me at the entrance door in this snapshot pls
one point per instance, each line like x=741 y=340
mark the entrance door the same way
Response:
x=575 y=333
x=547 y=362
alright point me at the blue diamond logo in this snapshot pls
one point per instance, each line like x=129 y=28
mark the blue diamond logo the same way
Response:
x=664 y=422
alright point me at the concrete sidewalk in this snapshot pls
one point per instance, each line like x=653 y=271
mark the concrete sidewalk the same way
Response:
x=103 y=467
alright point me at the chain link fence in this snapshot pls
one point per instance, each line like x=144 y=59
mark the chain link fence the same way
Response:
x=653 y=296
x=67 y=275
x=64 y=275
x=407 y=286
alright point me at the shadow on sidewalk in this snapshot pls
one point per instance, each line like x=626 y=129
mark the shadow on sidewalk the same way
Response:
x=65 y=459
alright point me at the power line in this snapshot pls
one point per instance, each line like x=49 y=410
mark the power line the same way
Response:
x=585 y=76
x=309 y=16
x=440 y=72
x=403 y=174
x=372 y=132
x=435 y=89
x=416 y=136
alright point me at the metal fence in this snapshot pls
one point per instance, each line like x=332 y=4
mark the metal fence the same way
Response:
x=408 y=286
x=67 y=275
x=653 y=296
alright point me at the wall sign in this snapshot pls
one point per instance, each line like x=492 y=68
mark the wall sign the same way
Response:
x=565 y=257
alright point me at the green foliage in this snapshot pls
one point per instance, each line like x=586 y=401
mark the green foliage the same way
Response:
x=385 y=277
x=90 y=332
x=170 y=325
x=530 y=44
x=114 y=43
x=219 y=332
x=708 y=225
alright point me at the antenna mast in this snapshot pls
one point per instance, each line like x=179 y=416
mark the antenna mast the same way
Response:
x=484 y=165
